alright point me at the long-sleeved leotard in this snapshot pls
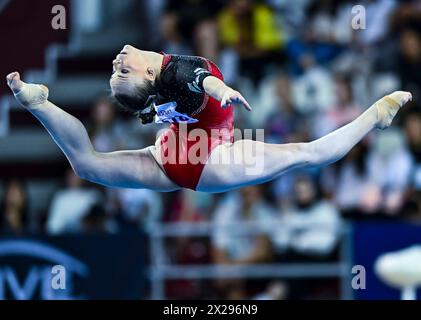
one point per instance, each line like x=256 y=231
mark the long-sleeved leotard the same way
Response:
x=181 y=80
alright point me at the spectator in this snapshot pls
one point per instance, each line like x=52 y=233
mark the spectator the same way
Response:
x=14 y=209
x=187 y=206
x=413 y=133
x=315 y=223
x=389 y=169
x=320 y=38
x=412 y=126
x=251 y=29
x=284 y=121
x=313 y=90
x=106 y=134
x=140 y=208
x=229 y=242
x=378 y=13
x=409 y=62
x=70 y=205
x=344 y=110
x=96 y=221
x=348 y=180
x=328 y=26
x=173 y=41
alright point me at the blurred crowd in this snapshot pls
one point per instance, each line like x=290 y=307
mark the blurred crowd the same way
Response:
x=306 y=71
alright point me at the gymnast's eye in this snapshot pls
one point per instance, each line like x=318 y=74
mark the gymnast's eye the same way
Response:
x=124 y=71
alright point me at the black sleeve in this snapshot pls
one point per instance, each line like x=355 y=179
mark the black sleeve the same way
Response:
x=182 y=81
x=193 y=71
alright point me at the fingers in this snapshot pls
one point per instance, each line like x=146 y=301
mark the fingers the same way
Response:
x=239 y=99
x=226 y=103
x=14 y=82
x=245 y=103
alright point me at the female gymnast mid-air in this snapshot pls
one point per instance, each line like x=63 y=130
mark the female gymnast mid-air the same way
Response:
x=188 y=91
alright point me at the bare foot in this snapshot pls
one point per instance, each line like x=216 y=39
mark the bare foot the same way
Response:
x=27 y=94
x=388 y=107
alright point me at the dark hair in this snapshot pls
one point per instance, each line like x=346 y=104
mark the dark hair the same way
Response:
x=3 y=201
x=141 y=99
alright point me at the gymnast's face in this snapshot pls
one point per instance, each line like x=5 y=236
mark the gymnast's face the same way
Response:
x=130 y=70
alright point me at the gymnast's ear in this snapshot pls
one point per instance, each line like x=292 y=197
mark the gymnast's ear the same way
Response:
x=150 y=74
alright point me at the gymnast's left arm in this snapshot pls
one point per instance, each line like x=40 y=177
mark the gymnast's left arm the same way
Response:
x=217 y=89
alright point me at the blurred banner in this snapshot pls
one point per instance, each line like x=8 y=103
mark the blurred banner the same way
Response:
x=93 y=267
x=371 y=239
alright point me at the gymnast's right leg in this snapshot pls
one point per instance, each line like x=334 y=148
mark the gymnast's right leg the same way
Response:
x=128 y=169
x=272 y=160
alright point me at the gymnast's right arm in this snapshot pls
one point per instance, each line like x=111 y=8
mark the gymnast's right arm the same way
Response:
x=130 y=169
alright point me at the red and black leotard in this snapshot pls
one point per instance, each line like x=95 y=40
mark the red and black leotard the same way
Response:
x=181 y=80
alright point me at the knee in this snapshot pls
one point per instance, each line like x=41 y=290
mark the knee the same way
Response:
x=318 y=153
x=80 y=170
x=303 y=153
x=83 y=167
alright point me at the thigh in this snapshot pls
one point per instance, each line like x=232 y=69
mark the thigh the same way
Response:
x=163 y=182
x=247 y=162
x=129 y=169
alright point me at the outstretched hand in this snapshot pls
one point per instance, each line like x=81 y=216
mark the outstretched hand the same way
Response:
x=234 y=97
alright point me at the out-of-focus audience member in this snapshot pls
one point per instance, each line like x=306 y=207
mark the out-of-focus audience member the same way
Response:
x=252 y=30
x=346 y=182
x=313 y=90
x=389 y=169
x=70 y=205
x=173 y=41
x=197 y=24
x=231 y=245
x=412 y=128
x=344 y=110
x=14 y=208
x=106 y=133
x=314 y=223
x=408 y=65
x=284 y=121
x=140 y=208
x=189 y=207
x=97 y=221
x=377 y=21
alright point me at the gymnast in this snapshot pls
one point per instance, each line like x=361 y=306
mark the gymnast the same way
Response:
x=189 y=93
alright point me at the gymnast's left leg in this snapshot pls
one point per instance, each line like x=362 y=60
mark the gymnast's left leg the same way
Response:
x=225 y=170
x=124 y=169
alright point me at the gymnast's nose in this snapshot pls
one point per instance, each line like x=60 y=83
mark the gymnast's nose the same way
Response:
x=126 y=48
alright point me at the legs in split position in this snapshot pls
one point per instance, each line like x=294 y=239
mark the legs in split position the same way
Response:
x=139 y=168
